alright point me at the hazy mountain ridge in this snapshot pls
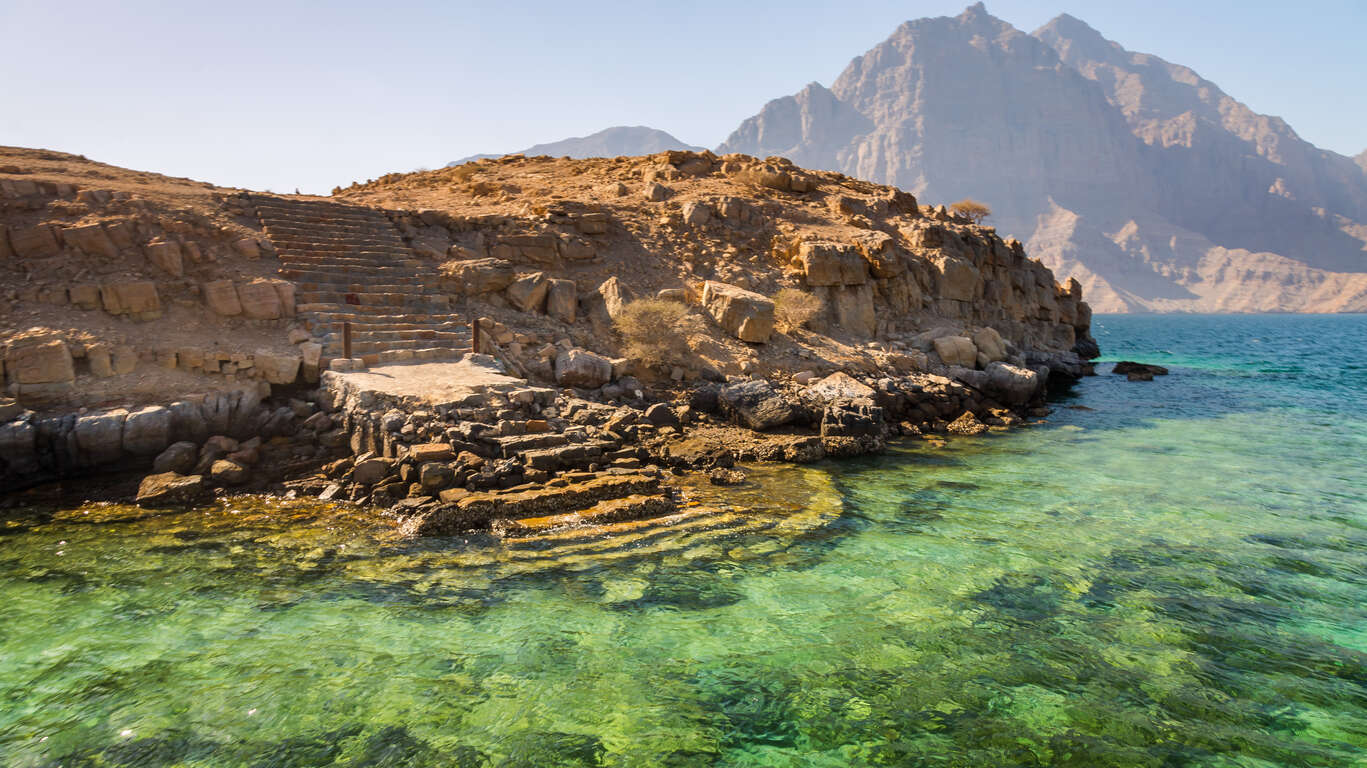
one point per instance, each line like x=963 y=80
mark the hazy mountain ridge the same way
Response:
x=609 y=142
x=1150 y=184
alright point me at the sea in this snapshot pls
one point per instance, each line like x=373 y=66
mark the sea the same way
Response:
x=1166 y=573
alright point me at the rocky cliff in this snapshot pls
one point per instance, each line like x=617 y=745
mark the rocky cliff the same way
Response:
x=609 y=142
x=1149 y=184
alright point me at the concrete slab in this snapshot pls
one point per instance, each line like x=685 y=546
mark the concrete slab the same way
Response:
x=433 y=383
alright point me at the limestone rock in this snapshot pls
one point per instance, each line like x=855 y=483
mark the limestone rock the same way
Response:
x=178 y=458
x=957 y=350
x=967 y=425
x=167 y=255
x=370 y=471
x=221 y=296
x=744 y=314
x=228 y=472
x=93 y=240
x=40 y=360
x=169 y=489
x=562 y=299
x=756 y=405
x=581 y=368
x=839 y=386
x=260 y=300
x=991 y=347
x=147 y=430
x=528 y=293
x=278 y=369
x=99 y=436
x=480 y=276
x=853 y=429
x=1012 y=384
x=957 y=279
x=139 y=300
x=35 y=243
x=825 y=264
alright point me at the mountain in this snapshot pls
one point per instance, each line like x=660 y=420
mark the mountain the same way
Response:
x=1153 y=187
x=1362 y=160
x=609 y=142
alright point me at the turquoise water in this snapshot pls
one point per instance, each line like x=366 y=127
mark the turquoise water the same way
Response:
x=1168 y=573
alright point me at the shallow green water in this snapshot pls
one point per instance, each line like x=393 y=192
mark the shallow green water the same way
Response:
x=1175 y=577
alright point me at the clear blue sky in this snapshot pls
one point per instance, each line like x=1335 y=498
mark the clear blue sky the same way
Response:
x=279 y=95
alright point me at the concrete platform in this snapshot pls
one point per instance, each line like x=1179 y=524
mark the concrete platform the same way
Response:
x=447 y=382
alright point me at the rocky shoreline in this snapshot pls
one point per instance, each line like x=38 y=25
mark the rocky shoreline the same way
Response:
x=505 y=456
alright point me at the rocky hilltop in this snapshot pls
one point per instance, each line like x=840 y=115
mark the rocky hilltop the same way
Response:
x=610 y=142
x=1154 y=188
x=454 y=345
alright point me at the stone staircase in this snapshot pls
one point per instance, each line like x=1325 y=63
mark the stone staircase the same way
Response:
x=349 y=263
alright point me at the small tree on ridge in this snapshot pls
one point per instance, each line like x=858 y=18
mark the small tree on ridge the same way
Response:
x=971 y=209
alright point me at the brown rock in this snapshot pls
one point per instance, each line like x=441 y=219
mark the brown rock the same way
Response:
x=34 y=242
x=92 y=240
x=166 y=254
x=825 y=264
x=260 y=300
x=138 y=300
x=744 y=314
x=221 y=296
x=169 y=489
x=562 y=299
x=40 y=360
x=528 y=293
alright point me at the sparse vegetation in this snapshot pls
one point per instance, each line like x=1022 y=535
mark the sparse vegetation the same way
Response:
x=794 y=308
x=971 y=209
x=464 y=172
x=656 y=331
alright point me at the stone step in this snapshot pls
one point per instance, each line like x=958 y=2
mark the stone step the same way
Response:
x=621 y=534
x=385 y=298
x=333 y=312
x=413 y=335
x=346 y=272
x=331 y=228
x=360 y=260
x=363 y=347
x=512 y=445
x=633 y=507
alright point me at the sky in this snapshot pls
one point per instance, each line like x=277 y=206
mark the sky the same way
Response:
x=310 y=95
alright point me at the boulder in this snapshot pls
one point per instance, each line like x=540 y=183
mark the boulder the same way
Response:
x=581 y=368
x=260 y=300
x=825 y=264
x=967 y=425
x=178 y=458
x=138 y=300
x=524 y=249
x=562 y=299
x=755 y=404
x=35 y=242
x=1011 y=384
x=696 y=214
x=434 y=476
x=167 y=255
x=956 y=350
x=228 y=472
x=852 y=430
x=1126 y=367
x=656 y=192
x=839 y=386
x=991 y=347
x=661 y=415
x=146 y=431
x=370 y=471
x=480 y=276
x=221 y=296
x=606 y=301
x=43 y=359
x=169 y=489
x=99 y=436
x=744 y=314
x=92 y=240
x=592 y=223
x=425 y=452
x=528 y=293
x=278 y=369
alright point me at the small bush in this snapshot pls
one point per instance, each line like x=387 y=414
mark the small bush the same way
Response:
x=656 y=331
x=971 y=209
x=794 y=308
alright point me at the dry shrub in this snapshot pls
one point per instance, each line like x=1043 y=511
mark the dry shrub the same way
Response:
x=794 y=308
x=656 y=331
x=971 y=209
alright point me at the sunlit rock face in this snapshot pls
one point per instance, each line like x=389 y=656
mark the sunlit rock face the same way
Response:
x=1153 y=187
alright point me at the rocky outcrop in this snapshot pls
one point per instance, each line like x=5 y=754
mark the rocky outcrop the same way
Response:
x=609 y=142
x=744 y=314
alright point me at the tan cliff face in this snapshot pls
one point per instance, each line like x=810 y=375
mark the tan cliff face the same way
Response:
x=1130 y=173
x=128 y=288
